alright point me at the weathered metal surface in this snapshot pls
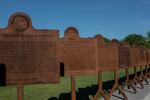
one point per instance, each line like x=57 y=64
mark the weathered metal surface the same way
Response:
x=147 y=56
x=107 y=55
x=73 y=88
x=77 y=54
x=124 y=56
x=20 y=92
x=29 y=55
x=35 y=56
x=142 y=54
x=137 y=56
x=134 y=56
x=112 y=56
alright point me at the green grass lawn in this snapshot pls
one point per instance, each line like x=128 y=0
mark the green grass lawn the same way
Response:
x=46 y=91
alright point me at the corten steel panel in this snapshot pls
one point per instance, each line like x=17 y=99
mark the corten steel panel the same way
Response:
x=147 y=56
x=124 y=56
x=30 y=55
x=107 y=55
x=77 y=54
x=134 y=56
x=142 y=54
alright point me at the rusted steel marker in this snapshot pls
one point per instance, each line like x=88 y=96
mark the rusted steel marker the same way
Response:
x=29 y=55
x=124 y=61
x=108 y=60
x=135 y=62
x=77 y=55
x=40 y=56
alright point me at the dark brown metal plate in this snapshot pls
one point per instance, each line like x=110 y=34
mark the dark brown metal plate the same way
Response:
x=29 y=55
x=147 y=56
x=124 y=56
x=134 y=56
x=78 y=55
x=107 y=56
x=142 y=54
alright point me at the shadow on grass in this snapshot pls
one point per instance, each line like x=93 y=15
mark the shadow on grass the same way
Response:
x=84 y=93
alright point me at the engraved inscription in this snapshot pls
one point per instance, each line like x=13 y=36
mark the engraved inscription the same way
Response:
x=30 y=55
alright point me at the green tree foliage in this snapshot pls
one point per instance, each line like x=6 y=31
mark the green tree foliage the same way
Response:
x=135 y=39
x=147 y=43
x=106 y=40
x=148 y=35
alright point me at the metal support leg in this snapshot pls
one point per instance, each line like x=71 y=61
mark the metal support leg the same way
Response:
x=136 y=79
x=141 y=74
x=20 y=92
x=145 y=75
x=148 y=73
x=73 y=88
x=117 y=87
x=128 y=83
x=142 y=78
x=100 y=91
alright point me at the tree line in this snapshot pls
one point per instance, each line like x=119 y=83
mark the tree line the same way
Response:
x=136 y=39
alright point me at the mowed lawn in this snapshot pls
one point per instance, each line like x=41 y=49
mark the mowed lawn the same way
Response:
x=47 y=91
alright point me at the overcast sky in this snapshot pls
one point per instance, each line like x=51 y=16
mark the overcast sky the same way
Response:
x=111 y=18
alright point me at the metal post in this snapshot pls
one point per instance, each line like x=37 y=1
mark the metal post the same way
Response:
x=100 y=90
x=127 y=74
x=145 y=76
x=73 y=88
x=20 y=92
x=146 y=71
x=100 y=80
x=116 y=76
x=135 y=71
x=141 y=69
x=141 y=74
